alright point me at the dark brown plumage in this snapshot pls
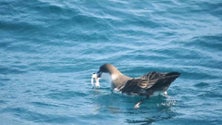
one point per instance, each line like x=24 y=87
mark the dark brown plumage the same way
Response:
x=149 y=83
x=145 y=85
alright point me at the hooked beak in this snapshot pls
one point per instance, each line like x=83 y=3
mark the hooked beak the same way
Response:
x=99 y=74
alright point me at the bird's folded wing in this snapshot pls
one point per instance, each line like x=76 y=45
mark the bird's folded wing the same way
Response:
x=136 y=86
x=142 y=85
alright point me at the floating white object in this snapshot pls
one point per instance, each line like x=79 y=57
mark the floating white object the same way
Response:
x=95 y=80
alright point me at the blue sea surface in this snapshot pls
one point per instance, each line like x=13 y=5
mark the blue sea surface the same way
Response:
x=49 y=48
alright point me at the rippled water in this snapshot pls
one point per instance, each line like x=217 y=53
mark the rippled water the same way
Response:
x=49 y=48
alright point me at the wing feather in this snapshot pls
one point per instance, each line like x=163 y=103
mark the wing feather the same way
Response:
x=148 y=83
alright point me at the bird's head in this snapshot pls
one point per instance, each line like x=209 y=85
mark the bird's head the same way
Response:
x=107 y=68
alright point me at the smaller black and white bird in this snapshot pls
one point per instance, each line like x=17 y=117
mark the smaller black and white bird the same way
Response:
x=145 y=85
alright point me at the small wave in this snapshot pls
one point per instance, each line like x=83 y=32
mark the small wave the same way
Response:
x=42 y=104
x=208 y=42
x=11 y=70
x=34 y=116
x=61 y=95
x=202 y=85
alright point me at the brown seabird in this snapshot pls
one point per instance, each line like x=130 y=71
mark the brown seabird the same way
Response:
x=145 y=85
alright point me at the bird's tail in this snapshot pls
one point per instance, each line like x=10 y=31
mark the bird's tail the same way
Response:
x=173 y=74
x=168 y=79
x=165 y=80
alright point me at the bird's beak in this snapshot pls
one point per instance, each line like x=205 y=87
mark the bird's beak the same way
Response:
x=99 y=74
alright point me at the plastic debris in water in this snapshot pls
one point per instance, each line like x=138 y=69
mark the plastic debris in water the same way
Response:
x=95 y=80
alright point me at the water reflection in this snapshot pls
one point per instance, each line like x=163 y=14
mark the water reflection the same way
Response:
x=154 y=109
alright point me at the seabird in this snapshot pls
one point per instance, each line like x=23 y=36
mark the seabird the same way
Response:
x=145 y=85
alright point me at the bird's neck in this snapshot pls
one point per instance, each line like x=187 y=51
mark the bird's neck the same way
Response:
x=119 y=80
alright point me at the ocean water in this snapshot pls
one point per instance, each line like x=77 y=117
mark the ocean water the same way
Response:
x=49 y=48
